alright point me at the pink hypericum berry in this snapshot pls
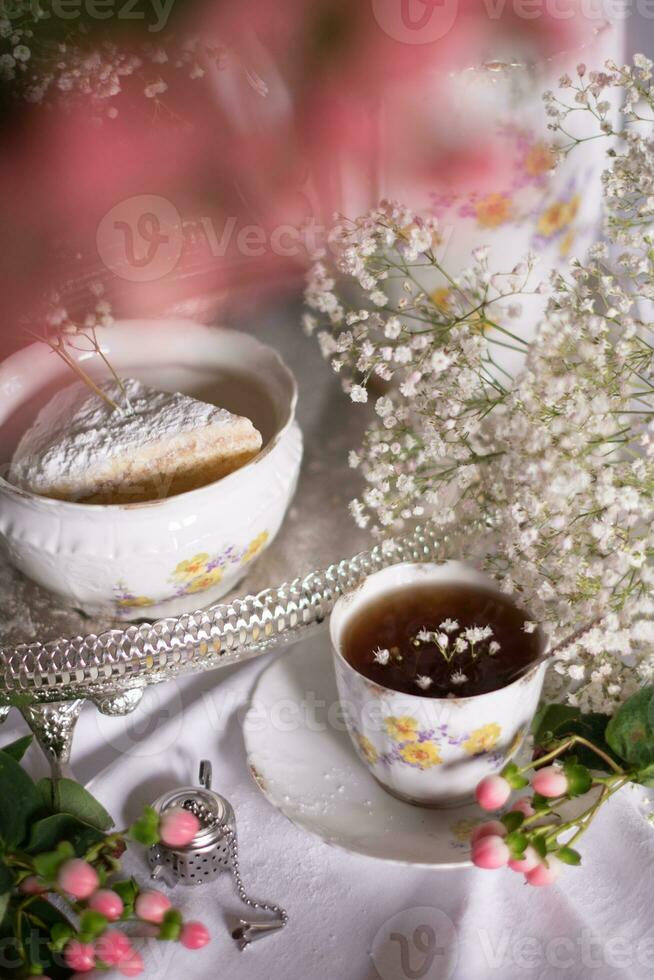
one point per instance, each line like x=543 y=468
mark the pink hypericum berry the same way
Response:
x=107 y=903
x=528 y=863
x=79 y=956
x=32 y=886
x=486 y=829
x=194 y=935
x=78 y=878
x=550 y=781
x=545 y=874
x=490 y=853
x=152 y=906
x=492 y=792
x=523 y=805
x=178 y=827
x=113 y=947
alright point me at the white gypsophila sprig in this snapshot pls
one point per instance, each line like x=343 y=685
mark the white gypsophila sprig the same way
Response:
x=547 y=479
x=436 y=350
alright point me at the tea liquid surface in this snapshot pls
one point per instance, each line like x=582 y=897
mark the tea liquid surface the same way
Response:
x=444 y=662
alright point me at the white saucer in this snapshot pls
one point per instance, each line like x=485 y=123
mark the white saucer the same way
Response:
x=302 y=759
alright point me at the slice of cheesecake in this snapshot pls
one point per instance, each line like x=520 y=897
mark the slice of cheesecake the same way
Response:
x=156 y=446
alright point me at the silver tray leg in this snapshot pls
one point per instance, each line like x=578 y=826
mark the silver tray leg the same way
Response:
x=54 y=726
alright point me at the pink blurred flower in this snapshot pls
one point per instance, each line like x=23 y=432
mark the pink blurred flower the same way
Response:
x=490 y=853
x=492 y=792
x=107 y=903
x=178 y=827
x=550 y=782
x=79 y=956
x=194 y=935
x=151 y=906
x=78 y=878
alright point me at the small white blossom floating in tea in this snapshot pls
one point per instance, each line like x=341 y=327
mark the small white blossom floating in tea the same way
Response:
x=381 y=656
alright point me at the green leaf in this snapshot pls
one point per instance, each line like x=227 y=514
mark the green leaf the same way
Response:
x=68 y=796
x=556 y=722
x=128 y=891
x=60 y=933
x=630 y=733
x=578 y=776
x=516 y=842
x=540 y=803
x=513 y=819
x=145 y=830
x=4 y=903
x=47 y=865
x=539 y=845
x=7 y=878
x=47 y=833
x=171 y=926
x=20 y=803
x=568 y=855
x=91 y=925
x=514 y=777
x=18 y=748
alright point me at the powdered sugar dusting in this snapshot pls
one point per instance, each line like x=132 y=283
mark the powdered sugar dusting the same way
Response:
x=77 y=433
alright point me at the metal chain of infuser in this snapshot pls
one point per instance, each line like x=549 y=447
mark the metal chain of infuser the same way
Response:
x=247 y=931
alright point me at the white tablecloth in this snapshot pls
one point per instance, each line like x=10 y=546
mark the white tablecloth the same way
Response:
x=353 y=918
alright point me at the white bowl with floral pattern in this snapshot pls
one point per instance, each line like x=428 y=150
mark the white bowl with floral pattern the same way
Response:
x=169 y=556
x=425 y=750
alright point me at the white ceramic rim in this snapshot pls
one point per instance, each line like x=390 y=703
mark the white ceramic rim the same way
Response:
x=75 y=507
x=342 y=601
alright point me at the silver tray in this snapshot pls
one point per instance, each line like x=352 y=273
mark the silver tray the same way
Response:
x=52 y=658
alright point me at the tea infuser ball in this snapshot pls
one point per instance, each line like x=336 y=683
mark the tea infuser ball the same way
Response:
x=214 y=849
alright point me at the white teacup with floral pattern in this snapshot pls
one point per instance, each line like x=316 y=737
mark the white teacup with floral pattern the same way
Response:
x=425 y=750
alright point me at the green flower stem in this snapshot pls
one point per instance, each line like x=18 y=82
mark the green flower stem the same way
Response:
x=583 y=821
x=568 y=744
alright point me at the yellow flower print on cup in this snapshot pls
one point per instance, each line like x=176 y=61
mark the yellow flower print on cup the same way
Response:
x=424 y=755
x=493 y=210
x=402 y=729
x=205 y=581
x=135 y=602
x=368 y=750
x=482 y=739
x=462 y=829
x=255 y=546
x=558 y=216
x=539 y=160
x=191 y=568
